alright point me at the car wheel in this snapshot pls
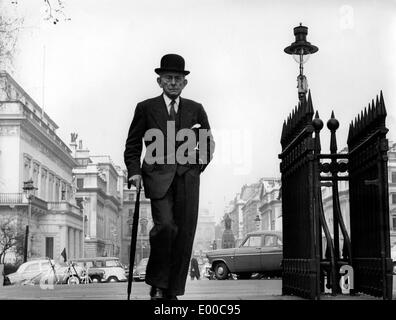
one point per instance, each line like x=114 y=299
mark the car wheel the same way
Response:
x=113 y=279
x=95 y=279
x=244 y=275
x=73 y=280
x=221 y=271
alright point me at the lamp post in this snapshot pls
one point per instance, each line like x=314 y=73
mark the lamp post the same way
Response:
x=29 y=190
x=258 y=222
x=85 y=220
x=301 y=49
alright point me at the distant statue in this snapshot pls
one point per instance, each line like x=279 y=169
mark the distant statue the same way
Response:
x=227 y=222
x=73 y=137
x=228 y=239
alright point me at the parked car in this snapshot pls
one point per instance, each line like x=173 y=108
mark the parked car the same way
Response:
x=393 y=256
x=139 y=272
x=32 y=271
x=96 y=274
x=112 y=267
x=126 y=268
x=259 y=252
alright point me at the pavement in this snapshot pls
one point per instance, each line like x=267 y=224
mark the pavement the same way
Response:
x=253 y=289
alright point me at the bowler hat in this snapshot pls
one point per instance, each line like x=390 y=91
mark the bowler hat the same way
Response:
x=172 y=63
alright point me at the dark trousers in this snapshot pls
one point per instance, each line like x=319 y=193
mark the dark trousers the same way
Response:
x=172 y=236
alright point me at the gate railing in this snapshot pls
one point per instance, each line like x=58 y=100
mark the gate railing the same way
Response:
x=363 y=263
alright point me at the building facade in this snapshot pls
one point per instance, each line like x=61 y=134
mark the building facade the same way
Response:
x=99 y=192
x=30 y=149
x=205 y=232
x=144 y=226
x=270 y=206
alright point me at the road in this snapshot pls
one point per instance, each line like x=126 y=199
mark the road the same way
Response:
x=195 y=290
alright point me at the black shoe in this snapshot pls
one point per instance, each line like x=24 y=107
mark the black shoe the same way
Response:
x=157 y=294
x=170 y=296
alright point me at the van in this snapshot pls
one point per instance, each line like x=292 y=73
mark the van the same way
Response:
x=112 y=267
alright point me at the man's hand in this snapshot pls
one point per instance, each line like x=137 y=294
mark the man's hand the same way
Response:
x=136 y=180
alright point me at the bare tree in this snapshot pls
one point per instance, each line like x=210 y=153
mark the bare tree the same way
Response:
x=55 y=10
x=9 y=28
x=11 y=236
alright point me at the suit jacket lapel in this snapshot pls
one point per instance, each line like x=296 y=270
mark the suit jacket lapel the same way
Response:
x=185 y=114
x=161 y=113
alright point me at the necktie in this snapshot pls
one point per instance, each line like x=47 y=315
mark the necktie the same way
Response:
x=172 y=110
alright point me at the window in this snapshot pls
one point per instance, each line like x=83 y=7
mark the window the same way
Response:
x=394 y=222
x=394 y=177
x=253 y=241
x=45 y=266
x=80 y=183
x=272 y=241
x=112 y=263
x=33 y=267
x=394 y=198
x=98 y=264
x=49 y=247
x=130 y=212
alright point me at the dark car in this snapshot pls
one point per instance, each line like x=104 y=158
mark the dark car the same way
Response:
x=259 y=252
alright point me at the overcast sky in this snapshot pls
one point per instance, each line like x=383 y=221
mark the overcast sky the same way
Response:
x=96 y=67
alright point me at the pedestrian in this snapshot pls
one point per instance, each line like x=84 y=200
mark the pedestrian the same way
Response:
x=170 y=179
x=194 y=270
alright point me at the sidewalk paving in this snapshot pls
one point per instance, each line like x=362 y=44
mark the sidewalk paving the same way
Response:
x=195 y=290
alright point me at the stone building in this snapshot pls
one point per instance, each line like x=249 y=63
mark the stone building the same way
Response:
x=250 y=209
x=234 y=210
x=270 y=206
x=144 y=226
x=392 y=186
x=31 y=149
x=205 y=232
x=99 y=184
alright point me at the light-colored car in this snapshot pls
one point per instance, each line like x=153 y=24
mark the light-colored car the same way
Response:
x=139 y=272
x=393 y=256
x=259 y=252
x=31 y=272
x=112 y=267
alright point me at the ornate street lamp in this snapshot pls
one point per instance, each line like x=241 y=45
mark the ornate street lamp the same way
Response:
x=258 y=222
x=85 y=221
x=29 y=190
x=301 y=49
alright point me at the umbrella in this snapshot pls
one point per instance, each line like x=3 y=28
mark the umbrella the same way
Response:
x=133 y=241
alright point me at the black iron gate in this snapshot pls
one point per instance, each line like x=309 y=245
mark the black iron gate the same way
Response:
x=300 y=251
x=307 y=270
x=369 y=204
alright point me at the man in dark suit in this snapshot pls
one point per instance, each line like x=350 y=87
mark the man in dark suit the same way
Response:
x=170 y=177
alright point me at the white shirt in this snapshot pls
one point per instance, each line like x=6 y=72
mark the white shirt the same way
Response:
x=168 y=103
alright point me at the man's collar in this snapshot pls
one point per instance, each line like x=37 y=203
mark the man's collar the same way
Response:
x=168 y=100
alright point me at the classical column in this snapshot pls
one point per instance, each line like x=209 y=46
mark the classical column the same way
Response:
x=76 y=243
x=62 y=240
x=71 y=243
x=82 y=239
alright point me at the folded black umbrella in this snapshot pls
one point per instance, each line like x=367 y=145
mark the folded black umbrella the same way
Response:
x=133 y=241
